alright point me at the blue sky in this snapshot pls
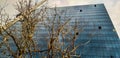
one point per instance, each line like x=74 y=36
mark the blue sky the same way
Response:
x=113 y=7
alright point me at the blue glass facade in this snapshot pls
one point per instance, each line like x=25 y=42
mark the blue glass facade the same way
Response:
x=98 y=29
x=105 y=42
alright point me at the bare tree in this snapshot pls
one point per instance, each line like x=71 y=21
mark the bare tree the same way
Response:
x=22 y=38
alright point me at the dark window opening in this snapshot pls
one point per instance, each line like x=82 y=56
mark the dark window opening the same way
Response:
x=111 y=56
x=99 y=27
x=94 y=5
x=77 y=33
x=80 y=10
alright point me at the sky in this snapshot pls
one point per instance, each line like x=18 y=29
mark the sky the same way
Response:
x=112 y=6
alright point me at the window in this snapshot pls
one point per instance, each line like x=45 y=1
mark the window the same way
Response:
x=77 y=33
x=111 y=56
x=94 y=5
x=80 y=10
x=99 y=27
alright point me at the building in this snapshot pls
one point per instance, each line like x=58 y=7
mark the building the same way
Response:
x=99 y=32
x=105 y=43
